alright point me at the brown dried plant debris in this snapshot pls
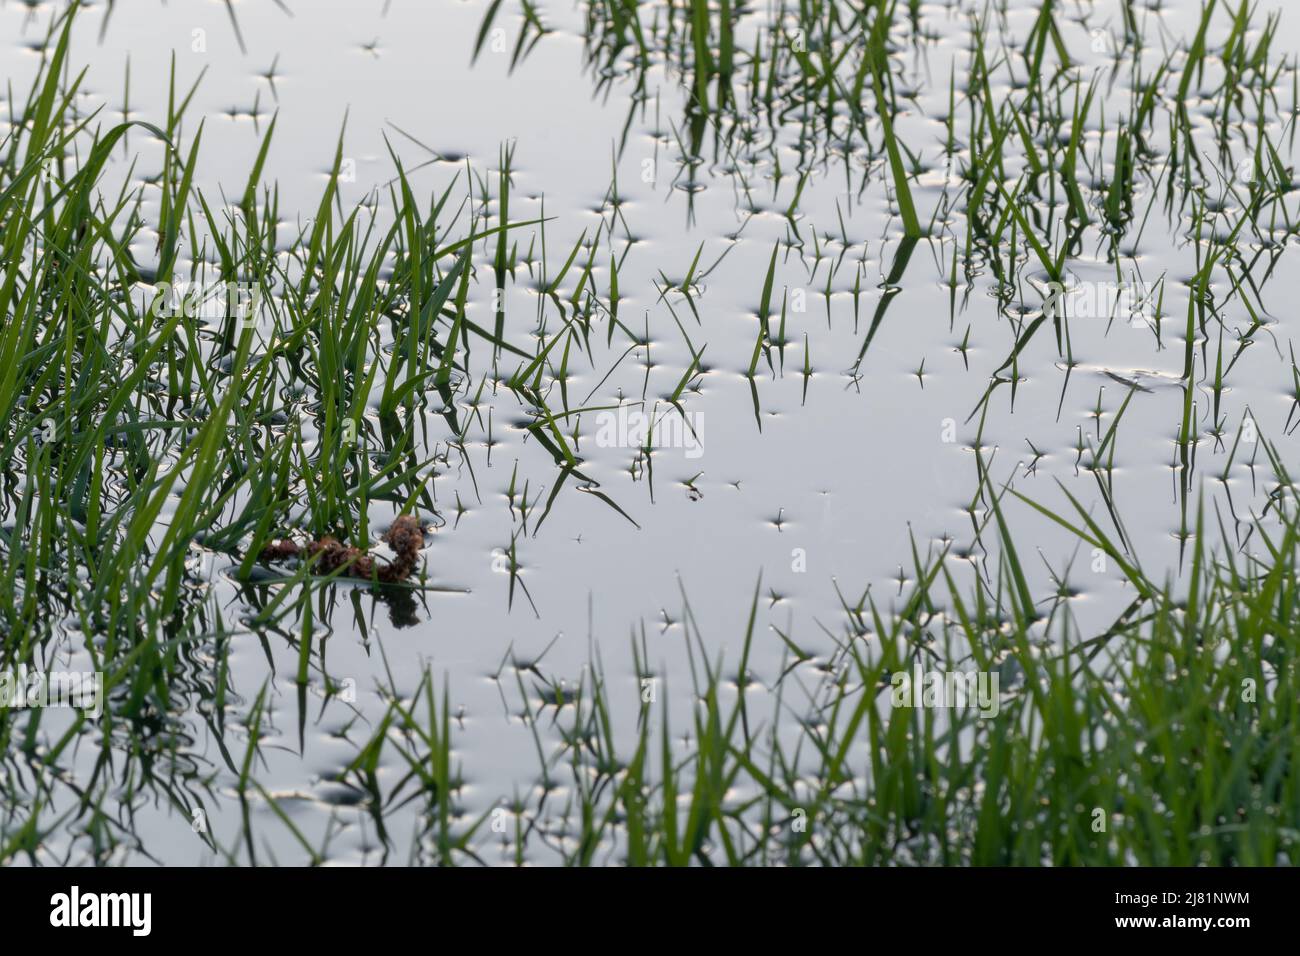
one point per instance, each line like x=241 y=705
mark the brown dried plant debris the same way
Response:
x=405 y=537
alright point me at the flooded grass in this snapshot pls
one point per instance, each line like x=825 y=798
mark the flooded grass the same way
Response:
x=1036 y=242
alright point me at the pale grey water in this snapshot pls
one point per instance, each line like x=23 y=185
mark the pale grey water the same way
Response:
x=823 y=501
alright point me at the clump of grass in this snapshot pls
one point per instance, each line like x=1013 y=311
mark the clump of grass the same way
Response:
x=147 y=437
x=1164 y=740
